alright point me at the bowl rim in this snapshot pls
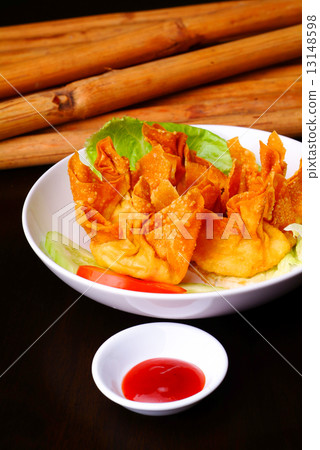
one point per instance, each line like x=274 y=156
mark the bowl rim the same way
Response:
x=154 y=406
x=154 y=296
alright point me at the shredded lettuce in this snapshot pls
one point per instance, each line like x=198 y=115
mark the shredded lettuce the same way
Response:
x=66 y=253
x=197 y=288
x=296 y=230
x=127 y=138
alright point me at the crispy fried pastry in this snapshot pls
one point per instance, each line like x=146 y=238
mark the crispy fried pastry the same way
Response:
x=87 y=188
x=150 y=223
x=154 y=250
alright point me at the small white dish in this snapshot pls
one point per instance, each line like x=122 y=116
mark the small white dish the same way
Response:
x=49 y=207
x=129 y=347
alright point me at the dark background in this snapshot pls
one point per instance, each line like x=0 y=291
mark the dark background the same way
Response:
x=21 y=11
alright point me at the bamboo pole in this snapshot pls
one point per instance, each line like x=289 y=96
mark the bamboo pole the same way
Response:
x=118 y=89
x=292 y=69
x=240 y=103
x=257 y=17
x=242 y=18
x=211 y=100
x=15 y=51
x=17 y=56
x=62 y=26
x=66 y=39
x=277 y=80
x=151 y=42
x=266 y=122
x=48 y=148
x=146 y=44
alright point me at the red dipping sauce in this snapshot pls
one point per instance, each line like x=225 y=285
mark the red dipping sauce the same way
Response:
x=162 y=380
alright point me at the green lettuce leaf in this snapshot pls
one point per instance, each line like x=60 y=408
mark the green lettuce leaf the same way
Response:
x=127 y=138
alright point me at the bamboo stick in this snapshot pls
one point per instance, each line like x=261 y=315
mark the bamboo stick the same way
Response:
x=14 y=56
x=290 y=69
x=72 y=38
x=151 y=42
x=17 y=56
x=56 y=27
x=266 y=84
x=239 y=103
x=266 y=122
x=238 y=94
x=257 y=17
x=241 y=18
x=118 y=89
x=17 y=51
x=48 y=148
x=208 y=101
x=148 y=43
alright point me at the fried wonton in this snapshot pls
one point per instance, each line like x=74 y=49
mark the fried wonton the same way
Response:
x=194 y=169
x=172 y=143
x=243 y=244
x=156 y=166
x=87 y=188
x=277 y=159
x=141 y=196
x=164 y=161
x=151 y=222
x=294 y=184
x=287 y=192
x=163 y=195
x=202 y=175
x=159 y=251
x=287 y=208
x=246 y=164
x=239 y=257
x=266 y=203
x=232 y=184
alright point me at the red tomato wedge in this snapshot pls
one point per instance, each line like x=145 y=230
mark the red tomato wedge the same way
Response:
x=117 y=280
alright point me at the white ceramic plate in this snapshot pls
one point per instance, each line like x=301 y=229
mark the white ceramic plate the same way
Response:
x=49 y=207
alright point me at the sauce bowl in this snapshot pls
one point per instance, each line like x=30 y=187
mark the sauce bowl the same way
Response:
x=129 y=347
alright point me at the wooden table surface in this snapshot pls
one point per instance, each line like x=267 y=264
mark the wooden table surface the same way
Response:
x=49 y=399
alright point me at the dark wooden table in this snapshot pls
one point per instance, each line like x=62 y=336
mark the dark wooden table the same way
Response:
x=49 y=399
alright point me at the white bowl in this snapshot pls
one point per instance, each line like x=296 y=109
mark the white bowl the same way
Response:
x=153 y=340
x=49 y=207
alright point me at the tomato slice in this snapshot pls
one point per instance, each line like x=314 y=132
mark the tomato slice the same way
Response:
x=117 y=280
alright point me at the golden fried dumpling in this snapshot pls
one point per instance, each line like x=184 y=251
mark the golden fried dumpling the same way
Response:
x=155 y=166
x=246 y=164
x=159 y=250
x=294 y=184
x=140 y=226
x=244 y=243
x=171 y=142
x=178 y=229
x=288 y=200
x=87 y=188
x=164 y=194
x=141 y=196
x=202 y=175
x=233 y=255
